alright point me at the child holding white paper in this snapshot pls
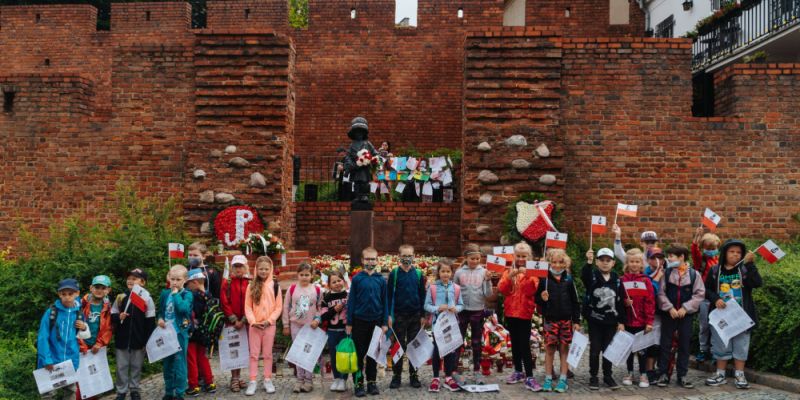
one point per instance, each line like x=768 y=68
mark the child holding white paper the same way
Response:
x=518 y=306
x=59 y=330
x=96 y=311
x=476 y=285
x=444 y=296
x=334 y=313
x=262 y=307
x=735 y=279
x=233 y=294
x=558 y=301
x=300 y=308
x=175 y=307
x=640 y=309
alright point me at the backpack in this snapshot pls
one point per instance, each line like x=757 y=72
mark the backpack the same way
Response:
x=52 y=321
x=432 y=288
x=210 y=327
x=346 y=357
x=393 y=273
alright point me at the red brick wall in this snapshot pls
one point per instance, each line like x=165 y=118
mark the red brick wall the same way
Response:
x=587 y=18
x=742 y=90
x=324 y=228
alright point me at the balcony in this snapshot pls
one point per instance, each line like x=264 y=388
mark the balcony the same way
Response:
x=740 y=29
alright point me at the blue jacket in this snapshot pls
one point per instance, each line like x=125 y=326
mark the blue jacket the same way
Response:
x=444 y=295
x=367 y=300
x=59 y=343
x=406 y=292
x=183 y=308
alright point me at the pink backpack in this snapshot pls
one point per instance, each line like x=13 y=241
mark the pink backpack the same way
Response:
x=433 y=298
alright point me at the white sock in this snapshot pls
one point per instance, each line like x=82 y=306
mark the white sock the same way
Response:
x=720 y=372
x=739 y=374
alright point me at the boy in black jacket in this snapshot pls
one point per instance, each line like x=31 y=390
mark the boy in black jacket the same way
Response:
x=603 y=310
x=557 y=300
x=734 y=278
x=132 y=325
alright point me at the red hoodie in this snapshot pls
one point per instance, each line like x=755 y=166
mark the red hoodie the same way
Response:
x=701 y=262
x=232 y=295
x=104 y=331
x=519 y=301
x=644 y=307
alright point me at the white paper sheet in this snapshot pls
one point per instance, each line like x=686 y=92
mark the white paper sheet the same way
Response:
x=427 y=189
x=234 y=349
x=620 y=347
x=481 y=388
x=63 y=374
x=576 y=349
x=729 y=321
x=307 y=347
x=438 y=163
x=373 y=187
x=94 y=376
x=162 y=343
x=419 y=350
x=643 y=340
x=400 y=187
x=412 y=163
x=378 y=346
x=446 y=333
x=447 y=177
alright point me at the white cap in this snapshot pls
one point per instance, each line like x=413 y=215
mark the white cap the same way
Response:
x=239 y=259
x=605 y=251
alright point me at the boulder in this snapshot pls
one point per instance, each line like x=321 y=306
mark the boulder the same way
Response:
x=257 y=180
x=516 y=141
x=223 y=197
x=485 y=199
x=487 y=177
x=547 y=179
x=520 y=164
x=484 y=146
x=239 y=162
x=207 y=196
x=542 y=151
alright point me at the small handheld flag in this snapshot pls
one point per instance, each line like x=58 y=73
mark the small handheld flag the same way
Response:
x=176 y=250
x=556 y=239
x=770 y=251
x=396 y=352
x=496 y=263
x=598 y=224
x=537 y=269
x=628 y=210
x=636 y=289
x=711 y=219
x=138 y=298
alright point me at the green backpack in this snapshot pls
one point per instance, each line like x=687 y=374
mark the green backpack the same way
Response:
x=346 y=358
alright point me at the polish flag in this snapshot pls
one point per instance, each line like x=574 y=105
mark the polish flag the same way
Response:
x=636 y=289
x=628 y=210
x=496 y=263
x=506 y=252
x=396 y=351
x=556 y=239
x=598 y=224
x=537 y=269
x=711 y=219
x=138 y=298
x=176 y=250
x=770 y=251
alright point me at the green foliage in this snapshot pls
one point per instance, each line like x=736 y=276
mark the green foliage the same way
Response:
x=757 y=57
x=298 y=13
x=17 y=360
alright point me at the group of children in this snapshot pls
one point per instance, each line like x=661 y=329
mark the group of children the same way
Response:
x=657 y=288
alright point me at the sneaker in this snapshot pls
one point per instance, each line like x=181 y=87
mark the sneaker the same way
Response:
x=236 y=385
x=395 y=382
x=372 y=389
x=335 y=385
x=434 y=387
x=459 y=380
x=414 y=381
x=716 y=380
x=562 y=386
x=570 y=374
x=609 y=381
x=210 y=388
x=194 y=392
x=662 y=381
x=268 y=386
x=121 y=396
x=359 y=390
x=308 y=387
x=682 y=382
x=594 y=383
x=532 y=385
x=700 y=357
x=251 y=388
x=451 y=384
x=298 y=387
x=477 y=378
x=627 y=380
x=547 y=386
x=135 y=396
x=516 y=377
x=741 y=382
x=643 y=381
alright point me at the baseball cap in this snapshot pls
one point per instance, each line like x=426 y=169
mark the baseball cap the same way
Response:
x=239 y=259
x=68 y=283
x=139 y=273
x=196 y=273
x=101 y=280
x=654 y=252
x=605 y=251
x=649 y=236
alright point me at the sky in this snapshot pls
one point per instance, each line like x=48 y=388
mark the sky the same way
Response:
x=406 y=8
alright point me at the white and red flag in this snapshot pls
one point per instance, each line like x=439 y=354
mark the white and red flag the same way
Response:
x=139 y=298
x=396 y=351
x=176 y=250
x=628 y=210
x=598 y=224
x=496 y=263
x=636 y=289
x=770 y=251
x=537 y=269
x=711 y=219
x=556 y=240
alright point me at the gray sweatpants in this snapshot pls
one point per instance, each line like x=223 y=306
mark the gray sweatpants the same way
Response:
x=129 y=370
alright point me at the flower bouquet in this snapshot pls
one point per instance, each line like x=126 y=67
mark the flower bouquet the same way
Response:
x=262 y=244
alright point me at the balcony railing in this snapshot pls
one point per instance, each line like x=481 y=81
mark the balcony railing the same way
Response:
x=753 y=23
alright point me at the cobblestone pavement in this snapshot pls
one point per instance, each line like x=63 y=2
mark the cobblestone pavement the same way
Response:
x=152 y=388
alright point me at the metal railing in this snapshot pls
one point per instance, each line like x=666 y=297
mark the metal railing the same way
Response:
x=754 y=23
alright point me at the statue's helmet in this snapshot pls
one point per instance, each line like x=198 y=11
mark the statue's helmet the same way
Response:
x=358 y=125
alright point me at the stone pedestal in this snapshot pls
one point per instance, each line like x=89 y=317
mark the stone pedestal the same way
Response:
x=361 y=234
